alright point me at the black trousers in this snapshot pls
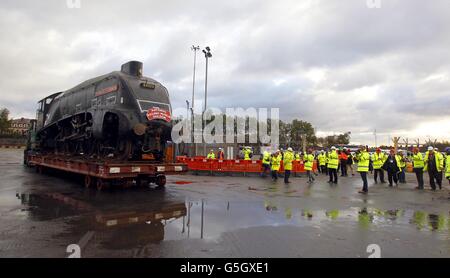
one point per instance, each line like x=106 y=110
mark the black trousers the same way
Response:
x=392 y=176
x=324 y=169
x=402 y=176
x=343 y=167
x=379 y=172
x=419 y=176
x=266 y=168
x=435 y=175
x=287 y=174
x=333 y=175
x=364 y=179
x=274 y=175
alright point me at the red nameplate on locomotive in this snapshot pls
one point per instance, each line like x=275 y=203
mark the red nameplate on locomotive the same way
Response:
x=157 y=113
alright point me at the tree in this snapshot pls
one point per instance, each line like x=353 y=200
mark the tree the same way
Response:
x=332 y=140
x=291 y=134
x=300 y=129
x=343 y=139
x=5 y=123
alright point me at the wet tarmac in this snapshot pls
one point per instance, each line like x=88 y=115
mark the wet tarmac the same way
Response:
x=220 y=216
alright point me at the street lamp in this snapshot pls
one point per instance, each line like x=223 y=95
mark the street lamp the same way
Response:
x=195 y=49
x=187 y=110
x=207 y=52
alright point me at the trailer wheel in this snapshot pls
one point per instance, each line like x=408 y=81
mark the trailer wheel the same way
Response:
x=87 y=181
x=161 y=181
x=142 y=182
x=40 y=169
x=100 y=184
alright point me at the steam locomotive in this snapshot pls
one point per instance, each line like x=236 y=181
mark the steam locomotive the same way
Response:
x=121 y=115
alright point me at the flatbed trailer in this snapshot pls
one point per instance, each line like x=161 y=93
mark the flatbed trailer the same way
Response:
x=107 y=173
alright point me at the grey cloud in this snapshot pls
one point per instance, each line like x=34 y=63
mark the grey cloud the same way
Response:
x=384 y=53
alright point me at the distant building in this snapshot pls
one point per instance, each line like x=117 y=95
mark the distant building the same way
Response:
x=20 y=126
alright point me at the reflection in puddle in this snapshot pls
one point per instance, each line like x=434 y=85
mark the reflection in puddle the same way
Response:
x=116 y=225
x=134 y=220
x=431 y=222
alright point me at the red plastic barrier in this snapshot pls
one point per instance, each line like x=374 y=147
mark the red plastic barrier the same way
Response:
x=254 y=166
x=239 y=166
x=242 y=166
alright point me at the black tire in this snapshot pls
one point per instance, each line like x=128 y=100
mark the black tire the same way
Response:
x=161 y=181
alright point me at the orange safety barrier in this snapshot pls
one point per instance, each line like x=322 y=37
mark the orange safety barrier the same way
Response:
x=410 y=167
x=238 y=166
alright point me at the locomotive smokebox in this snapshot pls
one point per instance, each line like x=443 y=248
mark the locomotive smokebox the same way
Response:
x=132 y=68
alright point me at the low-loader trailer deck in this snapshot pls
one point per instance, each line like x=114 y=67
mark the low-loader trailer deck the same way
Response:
x=106 y=173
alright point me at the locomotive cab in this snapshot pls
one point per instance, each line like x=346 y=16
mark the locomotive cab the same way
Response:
x=43 y=109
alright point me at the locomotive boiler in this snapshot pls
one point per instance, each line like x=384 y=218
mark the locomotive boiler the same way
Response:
x=121 y=115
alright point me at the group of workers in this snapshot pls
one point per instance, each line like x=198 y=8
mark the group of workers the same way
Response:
x=220 y=155
x=331 y=161
x=247 y=152
x=272 y=163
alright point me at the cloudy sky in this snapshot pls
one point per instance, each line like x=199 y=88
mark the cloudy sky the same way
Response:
x=340 y=65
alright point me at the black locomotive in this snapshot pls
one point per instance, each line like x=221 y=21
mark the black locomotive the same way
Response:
x=121 y=116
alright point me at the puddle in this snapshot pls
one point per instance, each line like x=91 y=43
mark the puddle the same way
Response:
x=140 y=218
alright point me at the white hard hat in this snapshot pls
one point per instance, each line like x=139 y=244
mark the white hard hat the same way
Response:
x=211 y=150
x=220 y=149
x=430 y=148
x=290 y=149
x=278 y=150
x=333 y=148
x=436 y=149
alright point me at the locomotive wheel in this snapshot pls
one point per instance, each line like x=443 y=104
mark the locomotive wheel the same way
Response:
x=87 y=181
x=123 y=149
x=91 y=148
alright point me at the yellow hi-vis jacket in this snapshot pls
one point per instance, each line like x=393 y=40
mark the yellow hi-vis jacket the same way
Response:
x=211 y=156
x=276 y=161
x=401 y=164
x=287 y=160
x=322 y=159
x=266 y=158
x=333 y=160
x=418 y=161
x=378 y=160
x=439 y=161
x=247 y=153
x=447 y=165
x=309 y=162
x=363 y=161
